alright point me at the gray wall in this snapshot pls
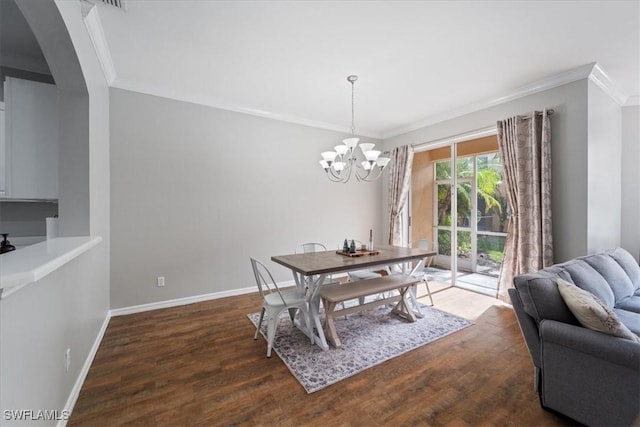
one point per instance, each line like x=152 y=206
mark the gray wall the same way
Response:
x=196 y=191
x=631 y=180
x=569 y=126
x=603 y=171
x=67 y=308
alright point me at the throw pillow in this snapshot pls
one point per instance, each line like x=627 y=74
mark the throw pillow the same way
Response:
x=592 y=313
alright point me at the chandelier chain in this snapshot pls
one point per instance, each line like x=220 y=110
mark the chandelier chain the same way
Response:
x=353 y=108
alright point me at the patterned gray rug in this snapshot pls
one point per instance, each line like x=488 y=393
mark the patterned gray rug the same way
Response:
x=368 y=339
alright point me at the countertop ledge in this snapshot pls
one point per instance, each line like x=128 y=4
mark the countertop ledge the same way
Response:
x=29 y=264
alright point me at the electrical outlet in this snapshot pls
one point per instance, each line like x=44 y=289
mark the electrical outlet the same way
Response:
x=67 y=359
x=160 y=281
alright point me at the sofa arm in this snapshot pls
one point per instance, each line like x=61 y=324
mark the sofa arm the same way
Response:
x=589 y=376
x=616 y=350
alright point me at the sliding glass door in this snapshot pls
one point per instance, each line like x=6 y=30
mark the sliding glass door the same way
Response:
x=469 y=212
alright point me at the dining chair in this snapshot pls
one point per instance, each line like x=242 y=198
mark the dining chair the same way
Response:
x=419 y=269
x=275 y=301
x=309 y=248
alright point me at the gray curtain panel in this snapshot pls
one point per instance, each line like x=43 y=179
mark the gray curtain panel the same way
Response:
x=525 y=147
x=399 y=181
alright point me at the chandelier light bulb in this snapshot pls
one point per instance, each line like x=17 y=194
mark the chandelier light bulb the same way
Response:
x=366 y=146
x=329 y=156
x=341 y=149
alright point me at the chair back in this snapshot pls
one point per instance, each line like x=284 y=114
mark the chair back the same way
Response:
x=308 y=248
x=265 y=281
x=424 y=244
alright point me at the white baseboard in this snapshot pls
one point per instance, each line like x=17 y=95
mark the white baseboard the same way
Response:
x=75 y=391
x=188 y=300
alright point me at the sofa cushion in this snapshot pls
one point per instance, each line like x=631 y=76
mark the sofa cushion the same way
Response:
x=593 y=313
x=629 y=265
x=541 y=298
x=613 y=274
x=631 y=303
x=630 y=319
x=588 y=278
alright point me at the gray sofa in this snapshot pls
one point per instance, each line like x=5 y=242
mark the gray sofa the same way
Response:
x=586 y=375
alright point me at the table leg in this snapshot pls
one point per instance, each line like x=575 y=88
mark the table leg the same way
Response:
x=414 y=301
x=403 y=308
x=313 y=299
x=314 y=310
x=332 y=334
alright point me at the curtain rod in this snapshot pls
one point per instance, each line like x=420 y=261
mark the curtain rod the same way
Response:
x=466 y=136
x=550 y=112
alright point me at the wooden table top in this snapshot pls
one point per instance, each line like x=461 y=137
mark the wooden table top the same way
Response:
x=328 y=262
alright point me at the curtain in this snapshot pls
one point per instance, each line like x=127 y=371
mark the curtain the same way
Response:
x=399 y=180
x=525 y=147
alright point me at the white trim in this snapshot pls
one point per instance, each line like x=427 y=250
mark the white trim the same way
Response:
x=604 y=82
x=209 y=101
x=188 y=300
x=466 y=136
x=538 y=86
x=591 y=71
x=98 y=40
x=82 y=376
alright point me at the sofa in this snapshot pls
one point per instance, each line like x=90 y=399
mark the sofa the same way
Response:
x=588 y=375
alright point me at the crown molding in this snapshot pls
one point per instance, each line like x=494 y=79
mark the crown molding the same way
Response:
x=208 y=101
x=98 y=39
x=556 y=80
x=592 y=71
x=608 y=86
x=632 y=101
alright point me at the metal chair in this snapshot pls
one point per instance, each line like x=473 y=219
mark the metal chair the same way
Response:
x=275 y=301
x=311 y=247
x=418 y=271
x=308 y=248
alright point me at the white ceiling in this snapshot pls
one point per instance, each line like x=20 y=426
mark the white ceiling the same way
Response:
x=416 y=61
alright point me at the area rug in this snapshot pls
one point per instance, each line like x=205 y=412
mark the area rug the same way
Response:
x=368 y=339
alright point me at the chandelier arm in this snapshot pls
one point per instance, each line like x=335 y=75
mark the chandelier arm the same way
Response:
x=370 y=176
x=376 y=176
x=332 y=176
x=340 y=177
x=362 y=177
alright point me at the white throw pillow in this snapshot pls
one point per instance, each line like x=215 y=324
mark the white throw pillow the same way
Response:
x=592 y=313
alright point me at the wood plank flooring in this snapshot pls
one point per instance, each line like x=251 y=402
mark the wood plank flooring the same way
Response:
x=199 y=365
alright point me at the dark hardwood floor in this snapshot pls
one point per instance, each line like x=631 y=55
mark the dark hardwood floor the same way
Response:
x=199 y=365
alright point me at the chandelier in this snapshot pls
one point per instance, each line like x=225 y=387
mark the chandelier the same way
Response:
x=344 y=162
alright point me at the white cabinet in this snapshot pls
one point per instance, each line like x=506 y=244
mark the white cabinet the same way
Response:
x=30 y=169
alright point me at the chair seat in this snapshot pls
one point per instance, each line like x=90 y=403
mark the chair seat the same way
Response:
x=291 y=297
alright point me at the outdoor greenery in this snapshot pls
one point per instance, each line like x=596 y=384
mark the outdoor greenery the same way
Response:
x=491 y=205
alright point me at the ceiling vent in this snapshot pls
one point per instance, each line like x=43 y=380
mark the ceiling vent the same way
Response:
x=115 y=3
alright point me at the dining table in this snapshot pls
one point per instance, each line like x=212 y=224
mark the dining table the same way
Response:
x=311 y=270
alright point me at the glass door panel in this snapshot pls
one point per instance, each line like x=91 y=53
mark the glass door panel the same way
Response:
x=470 y=239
